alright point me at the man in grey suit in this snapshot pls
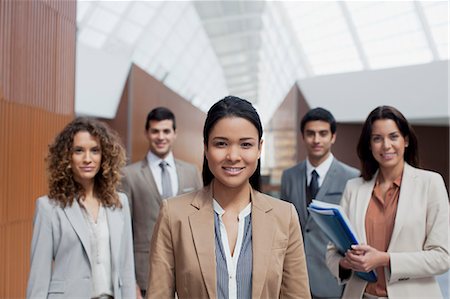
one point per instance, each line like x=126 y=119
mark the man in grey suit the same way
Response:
x=159 y=175
x=321 y=177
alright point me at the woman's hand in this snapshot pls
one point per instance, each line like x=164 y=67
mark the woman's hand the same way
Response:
x=364 y=258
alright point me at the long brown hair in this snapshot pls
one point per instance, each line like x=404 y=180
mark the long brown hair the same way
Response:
x=62 y=186
x=368 y=163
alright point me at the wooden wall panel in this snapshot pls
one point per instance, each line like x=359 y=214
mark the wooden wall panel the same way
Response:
x=142 y=95
x=37 y=71
x=286 y=144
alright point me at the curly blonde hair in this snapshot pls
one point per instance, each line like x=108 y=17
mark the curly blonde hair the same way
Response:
x=62 y=186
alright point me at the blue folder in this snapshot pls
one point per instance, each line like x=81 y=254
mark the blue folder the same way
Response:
x=337 y=227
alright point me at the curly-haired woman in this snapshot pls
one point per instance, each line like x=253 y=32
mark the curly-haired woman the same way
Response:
x=82 y=240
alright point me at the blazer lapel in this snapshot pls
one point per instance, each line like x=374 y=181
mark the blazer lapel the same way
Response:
x=328 y=181
x=148 y=176
x=300 y=188
x=202 y=227
x=115 y=226
x=361 y=205
x=76 y=219
x=263 y=233
x=406 y=194
x=180 y=176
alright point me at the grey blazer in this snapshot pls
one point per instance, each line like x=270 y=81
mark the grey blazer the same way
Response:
x=61 y=255
x=145 y=200
x=293 y=189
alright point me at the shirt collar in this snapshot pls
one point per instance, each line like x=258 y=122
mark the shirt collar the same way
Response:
x=220 y=211
x=154 y=160
x=397 y=182
x=322 y=169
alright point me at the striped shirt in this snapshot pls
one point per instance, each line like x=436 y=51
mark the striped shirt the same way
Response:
x=234 y=273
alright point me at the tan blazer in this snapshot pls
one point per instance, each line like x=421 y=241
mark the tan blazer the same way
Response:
x=145 y=200
x=419 y=244
x=182 y=257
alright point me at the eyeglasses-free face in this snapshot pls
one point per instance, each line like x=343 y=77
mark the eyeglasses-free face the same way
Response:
x=387 y=144
x=233 y=151
x=86 y=157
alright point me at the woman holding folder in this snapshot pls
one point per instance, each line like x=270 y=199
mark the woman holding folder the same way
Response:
x=399 y=212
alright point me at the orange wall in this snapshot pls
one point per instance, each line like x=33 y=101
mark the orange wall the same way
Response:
x=37 y=71
x=143 y=93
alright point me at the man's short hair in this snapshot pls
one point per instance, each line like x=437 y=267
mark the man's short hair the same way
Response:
x=159 y=114
x=318 y=114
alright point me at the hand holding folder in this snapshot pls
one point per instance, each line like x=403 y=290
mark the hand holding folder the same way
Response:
x=335 y=224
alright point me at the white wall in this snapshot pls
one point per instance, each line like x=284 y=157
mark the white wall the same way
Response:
x=100 y=79
x=420 y=92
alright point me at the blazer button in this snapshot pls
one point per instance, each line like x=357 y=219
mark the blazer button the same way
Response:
x=307 y=230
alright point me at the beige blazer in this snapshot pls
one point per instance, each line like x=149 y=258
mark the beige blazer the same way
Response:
x=420 y=240
x=182 y=257
x=145 y=200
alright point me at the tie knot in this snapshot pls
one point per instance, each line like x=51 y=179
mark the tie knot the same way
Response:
x=314 y=174
x=163 y=164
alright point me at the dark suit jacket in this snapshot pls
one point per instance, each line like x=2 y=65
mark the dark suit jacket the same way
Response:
x=144 y=198
x=183 y=249
x=293 y=189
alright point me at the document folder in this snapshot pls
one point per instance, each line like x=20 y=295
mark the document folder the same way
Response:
x=335 y=224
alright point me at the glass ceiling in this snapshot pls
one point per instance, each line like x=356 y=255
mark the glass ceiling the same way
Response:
x=257 y=50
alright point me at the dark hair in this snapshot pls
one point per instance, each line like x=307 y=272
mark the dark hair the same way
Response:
x=228 y=107
x=159 y=114
x=62 y=186
x=318 y=114
x=368 y=163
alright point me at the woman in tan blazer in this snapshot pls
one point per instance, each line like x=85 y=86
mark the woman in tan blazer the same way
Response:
x=399 y=212
x=228 y=240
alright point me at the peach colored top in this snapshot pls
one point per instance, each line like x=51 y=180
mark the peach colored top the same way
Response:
x=380 y=220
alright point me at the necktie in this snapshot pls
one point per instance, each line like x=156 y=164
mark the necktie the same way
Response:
x=165 y=180
x=314 y=184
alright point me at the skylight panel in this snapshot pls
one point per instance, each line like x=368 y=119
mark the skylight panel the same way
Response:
x=140 y=13
x=436 y=13
x=92 y=38
x=82 y=8
x=129 y=32
x=116 y=7
x=324 y=35
x=390 y=33
x=103 y=20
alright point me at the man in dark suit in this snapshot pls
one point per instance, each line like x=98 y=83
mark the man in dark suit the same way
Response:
x=159 y=175
x=321 y=177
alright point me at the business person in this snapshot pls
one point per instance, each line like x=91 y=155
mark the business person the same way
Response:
x=228 y=240
x=82 y=240
x=400 y=214
x=159 y=175
x=321 y=177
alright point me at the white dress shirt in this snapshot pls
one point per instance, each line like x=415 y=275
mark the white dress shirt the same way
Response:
x=232 y=260
x=101 y=253
x=154 y=161
x=321 y=170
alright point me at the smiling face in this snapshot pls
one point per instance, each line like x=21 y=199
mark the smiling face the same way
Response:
x=86 y=157
x=233 y=151
x=388 y=144
x=161 y=136
x=318 y=140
